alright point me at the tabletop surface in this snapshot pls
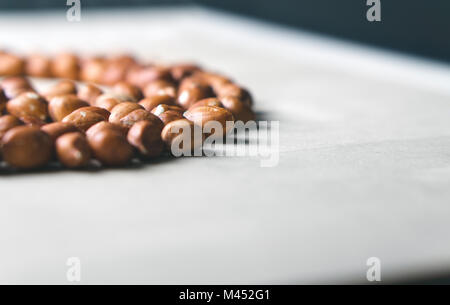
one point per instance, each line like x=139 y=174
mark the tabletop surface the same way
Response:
x=364 y=165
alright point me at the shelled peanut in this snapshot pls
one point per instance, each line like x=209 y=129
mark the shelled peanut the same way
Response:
x=140 y=116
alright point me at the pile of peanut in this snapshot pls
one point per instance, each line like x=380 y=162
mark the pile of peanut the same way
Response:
x=140 y=115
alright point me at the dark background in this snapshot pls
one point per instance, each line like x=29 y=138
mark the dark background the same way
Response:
x=419 y=27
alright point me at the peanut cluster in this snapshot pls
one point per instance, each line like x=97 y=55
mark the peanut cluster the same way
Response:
x=140 y=116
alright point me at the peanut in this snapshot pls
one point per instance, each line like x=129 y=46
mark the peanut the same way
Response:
x=73 y=150
x=26 y=147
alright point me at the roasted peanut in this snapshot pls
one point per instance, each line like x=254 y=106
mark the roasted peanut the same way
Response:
x=195 y=80
x=181 y=71
x=61 y=88
x=110 y=147
x=230 y=89
x=160 y=87
x=121 y=110
x=212 y=101
x=192 y=93
x=115 y=71
x=132 y=92
x=65 y=65
x=103 y=112
x=38 y=66
x=127 y=60
x=214 y=80
x=56 y=129
x=169 y=116
x=119 y=97
x=73 y=150
x=32 y=121
x=140 y=115
x=179 y=136
x=141 y=76
x=146 y=137
x=83 y=119
x=149 y=103
x=89 y=93
x=163 y=108
x=92 y=70
x=11 y=65
x=168 y=113
x=15 y=85
x=240 y=111
x=63 y=105
x=7 y=122
x=106 y=125
x=26 y=147
x=28 y=104
x=204 y=114
x=107 y=103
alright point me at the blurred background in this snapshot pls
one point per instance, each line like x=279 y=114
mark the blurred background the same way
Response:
x=413 y=26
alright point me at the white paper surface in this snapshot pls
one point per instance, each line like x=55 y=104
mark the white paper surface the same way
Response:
x=364 y=166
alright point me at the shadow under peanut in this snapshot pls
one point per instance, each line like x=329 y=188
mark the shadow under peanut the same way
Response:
x=93 y=167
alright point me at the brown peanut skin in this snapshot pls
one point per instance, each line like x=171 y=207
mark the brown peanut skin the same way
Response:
x=110 y=147
x=151 y=102
x=8 y=122
x=212 y=101
x=121 y=98
x=170 y=133
x=57 y=129
x=32 y=121
x=72 y=150
x=26 y=147
x=13 y=86
x=106 y=125
x=170 y=116
x=15 y=82
x=62 y=105
x=107 y=103
x=83 y=119
x=160 y=87
x=168 y=113
x=65 y=65
x=38 y=65
x=28 y=104
x=163 y=108
x=240 y=111
x=181 y=71
x=103 y=112
x=190 y=95
x=141 y=76
x=193 y=81
x=11 y=65
x=121 y=110
x=89 y=93
x=230 y=89
x=63 y=87
x=140 y=115
x=126 y=89
x=214 y=80
x=114 y=71
x=203 y=114
x=146 y=137
x=92 y=70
